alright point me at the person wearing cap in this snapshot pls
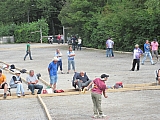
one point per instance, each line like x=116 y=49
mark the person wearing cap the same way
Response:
x=3 y=84
x=32 y=81
x=71 y=61
x=28 y=51
x=16 y=82
x=58 y=54
x=52 y=70
x=147 y=52
x=154 y=48
x=137 y=52
x=96 y=93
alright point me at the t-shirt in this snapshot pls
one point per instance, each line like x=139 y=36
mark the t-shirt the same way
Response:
x=79 y=41
x=83 y=78
x=109 y=43
x=58 y=54
x=99 y=86
x=2 y=78
x=147 y=47
x=28 y=47
x=136 y=53
x=69 y=53
x=31 y=78
x=53 y=69
x=154 y=45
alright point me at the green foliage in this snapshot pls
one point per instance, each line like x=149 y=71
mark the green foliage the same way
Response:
x=25 y=32
x=128 y=22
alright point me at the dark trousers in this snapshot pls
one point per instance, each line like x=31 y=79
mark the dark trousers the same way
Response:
x=135 y=61
x=59 y=64
x=79 y=46
x=73 y=46
x=28 y=52
x=34 y=86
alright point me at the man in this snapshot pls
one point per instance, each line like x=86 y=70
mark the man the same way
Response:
x=137 y=52
x=79 y=43
x=82 y=80
x=52 y=70
x=16 y=82
x=3 y=84
x=58 y=54
x=71 y=55
x=109 y=48
x=154 y=48
x=59 y=38
x=73 y=42
x=32 y=83
x=147 y=52
x=28 y=51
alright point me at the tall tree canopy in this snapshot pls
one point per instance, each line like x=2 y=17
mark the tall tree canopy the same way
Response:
x=127 y=21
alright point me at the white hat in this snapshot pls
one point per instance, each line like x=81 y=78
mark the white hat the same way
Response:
x=17 y=72
x=136 y=45
x=55 y=59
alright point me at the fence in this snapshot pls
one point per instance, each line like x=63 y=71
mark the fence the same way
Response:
x=6 y=39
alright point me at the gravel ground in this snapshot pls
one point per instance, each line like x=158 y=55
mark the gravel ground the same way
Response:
x=22 y=109
x=135 y=105
x=139 y=105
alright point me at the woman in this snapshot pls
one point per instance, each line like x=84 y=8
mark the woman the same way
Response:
x=16 y=82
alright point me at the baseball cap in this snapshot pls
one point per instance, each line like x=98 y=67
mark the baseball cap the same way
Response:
x=103 y=76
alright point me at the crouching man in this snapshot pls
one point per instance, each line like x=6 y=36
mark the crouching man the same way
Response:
x=3 y=84
x=82 y=80
x=32 y=83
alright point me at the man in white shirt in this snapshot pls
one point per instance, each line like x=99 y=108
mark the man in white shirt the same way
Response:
x=109 y=48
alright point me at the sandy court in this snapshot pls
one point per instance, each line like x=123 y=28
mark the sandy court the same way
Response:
x=134 y=105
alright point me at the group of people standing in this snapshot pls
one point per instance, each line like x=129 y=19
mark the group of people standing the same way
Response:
x=149 y=50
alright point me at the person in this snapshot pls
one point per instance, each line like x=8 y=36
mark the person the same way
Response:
x=109 y=48
x=33 y=83
x=58 y=54
x=16 y=82
x=52 y=70
x=147 y=52
x=62 y=39
x=79 y=43
x=137 y=52
x=154 y=48
x=73 y=42
x=3 y=84
x=82 y=80
x=96 y=93
x=59 y=38
x=50 y=40
x=28 y=51
x=71 y=55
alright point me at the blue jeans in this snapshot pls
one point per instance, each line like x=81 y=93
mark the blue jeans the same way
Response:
x=59 y=63
x=79 y=46
x=69 y=64
x=35 y=86
x=109 y=52
x=19 y=87
x=53 y=79
x=145 y=56
x=28 y=52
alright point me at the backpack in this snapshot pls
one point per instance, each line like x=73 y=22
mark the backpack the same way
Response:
x=12 y=66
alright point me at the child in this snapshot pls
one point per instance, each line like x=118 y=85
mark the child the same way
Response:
x=96 y=92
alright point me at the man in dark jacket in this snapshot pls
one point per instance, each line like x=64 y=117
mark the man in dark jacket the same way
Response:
x=82 y=80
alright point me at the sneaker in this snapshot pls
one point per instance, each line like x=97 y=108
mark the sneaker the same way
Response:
x=142 y=64
x=18 y=95
x=95 y=116
x=62 y=72
x=102 y=116
x=23 y=94
x=153 y=64
x=33 y=93
x=5 y=95
x=67 y=72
